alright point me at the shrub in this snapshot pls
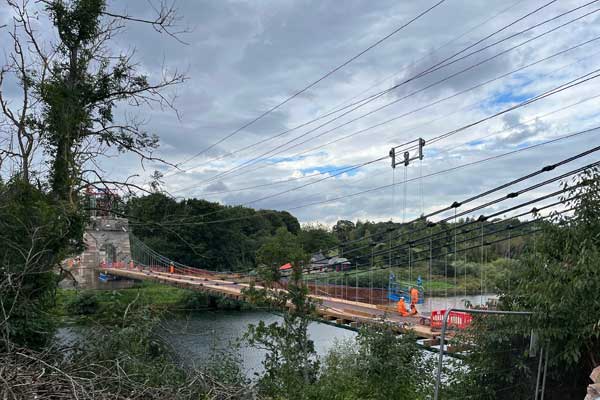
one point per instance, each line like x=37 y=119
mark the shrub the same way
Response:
x=194 y=300
x=85 y=303
x=378 y=365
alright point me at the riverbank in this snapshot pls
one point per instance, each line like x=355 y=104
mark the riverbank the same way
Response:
x=77 y=306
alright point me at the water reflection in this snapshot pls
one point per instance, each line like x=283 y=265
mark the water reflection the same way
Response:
x=201 y=334
x=196 y=337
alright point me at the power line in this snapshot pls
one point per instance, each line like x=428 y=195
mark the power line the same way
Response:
x=582 y=79
x=534 y=210
x=411 y=111
x=454 y=205
x=536 y=118
x=431 y=69
x=343 y=169
x=259 y=157
x=309 y=86
x=338 y=109
x=512 y=195
x=455 y=247
x=522 y=104
x=481 y=218
x=430 y=53
x=385 y=251
x=555 y=90
x=452 y=169
x=547 y=168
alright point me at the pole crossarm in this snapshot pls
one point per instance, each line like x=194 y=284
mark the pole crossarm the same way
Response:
x=406 y=154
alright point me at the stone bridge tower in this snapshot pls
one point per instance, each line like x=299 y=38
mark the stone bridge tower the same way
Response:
x=107 y=240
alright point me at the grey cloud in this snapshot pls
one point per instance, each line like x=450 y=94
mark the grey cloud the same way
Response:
x=216 y=187
x=520 y=133
x=245 y=57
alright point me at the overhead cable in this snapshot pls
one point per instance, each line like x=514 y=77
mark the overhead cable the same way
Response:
x=312 y=84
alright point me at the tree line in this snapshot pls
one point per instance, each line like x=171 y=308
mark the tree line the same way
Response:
x=226 y=238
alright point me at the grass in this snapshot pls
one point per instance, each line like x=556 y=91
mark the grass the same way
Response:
x=82 y=306
x=150 y=292
x=112 y=303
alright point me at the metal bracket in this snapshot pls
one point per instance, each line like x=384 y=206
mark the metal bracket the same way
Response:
x=407 y=157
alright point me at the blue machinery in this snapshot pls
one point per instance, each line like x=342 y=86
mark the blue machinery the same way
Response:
x=401 y=289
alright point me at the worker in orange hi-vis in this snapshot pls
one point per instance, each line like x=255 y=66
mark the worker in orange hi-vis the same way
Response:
x=414 y=299
x=414 y=296
x=171 y=268
x=401 y=307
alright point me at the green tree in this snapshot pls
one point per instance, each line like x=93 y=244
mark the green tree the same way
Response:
x=291 y=362
x=560 y=283
x=379 y=365
x=342 y=229
x=183 y=231
x=68 y=101
x=36 y=234
x=316 y=237
x=85 y=83
x=498 y=365
x=281 y=249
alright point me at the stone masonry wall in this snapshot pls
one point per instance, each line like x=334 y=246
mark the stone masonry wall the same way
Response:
x=106 y=239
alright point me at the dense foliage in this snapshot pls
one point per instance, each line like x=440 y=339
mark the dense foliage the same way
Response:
x=560 y=283
x=209 y=235
x=379 y=365
x=36 y=233
x=291 y=363
x=441 y=236
x=189 y=231
x=67 y=114
x=557 y=279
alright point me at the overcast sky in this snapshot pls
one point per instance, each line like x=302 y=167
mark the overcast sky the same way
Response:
x=244 y=57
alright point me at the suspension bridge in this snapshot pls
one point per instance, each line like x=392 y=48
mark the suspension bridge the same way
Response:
x=328 y=308
x=339 y=301
x=338 y=297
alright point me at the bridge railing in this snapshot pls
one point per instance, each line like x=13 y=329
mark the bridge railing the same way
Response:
x=144 y=258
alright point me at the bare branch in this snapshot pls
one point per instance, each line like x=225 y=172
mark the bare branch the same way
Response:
x=165 y=22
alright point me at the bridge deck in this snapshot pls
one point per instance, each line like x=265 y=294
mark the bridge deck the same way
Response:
x=343 y=312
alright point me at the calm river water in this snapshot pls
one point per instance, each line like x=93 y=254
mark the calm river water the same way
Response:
x=201 y=334
x=197 y=337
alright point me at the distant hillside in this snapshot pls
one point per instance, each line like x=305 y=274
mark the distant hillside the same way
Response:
x=189 y=231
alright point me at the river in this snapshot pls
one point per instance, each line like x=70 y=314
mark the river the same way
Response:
x=201 y=334
x=196 y=337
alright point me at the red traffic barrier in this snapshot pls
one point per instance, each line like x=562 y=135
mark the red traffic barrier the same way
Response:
x=456 y=319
